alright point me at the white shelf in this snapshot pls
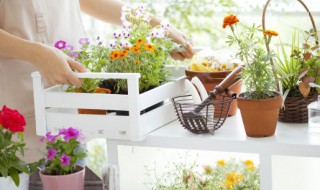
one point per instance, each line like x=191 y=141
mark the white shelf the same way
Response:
x=289 y=140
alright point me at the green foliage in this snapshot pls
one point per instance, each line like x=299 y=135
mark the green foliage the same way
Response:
x=288 y=68
x=146 y=51
x=232 y=174
x=257 y=74
x=11 y=165
x=94 y=57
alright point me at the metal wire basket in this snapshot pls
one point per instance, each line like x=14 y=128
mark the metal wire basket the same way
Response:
x=214 y=114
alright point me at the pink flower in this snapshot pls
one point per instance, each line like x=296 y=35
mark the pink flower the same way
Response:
x=65 y=160
x=83 y=41
x=69 y=133
x=51 y=153
x=60 y=44
x=69 y=48
x=74 y=55
x=51 y=138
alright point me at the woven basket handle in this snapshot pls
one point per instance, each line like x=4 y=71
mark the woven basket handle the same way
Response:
x=265 y=37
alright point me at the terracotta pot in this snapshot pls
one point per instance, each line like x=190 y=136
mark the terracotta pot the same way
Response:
x=73 y=181
x=260 y=116
x=211 y=79
x=8 y=184
x=92 y=111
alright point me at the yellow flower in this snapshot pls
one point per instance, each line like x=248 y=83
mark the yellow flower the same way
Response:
x=248 y=163
x=251 y=168
x=140 y=42
x=229 y=21
x=221 y=162
x=270 y=33
x=232 y=179
x=97 y=149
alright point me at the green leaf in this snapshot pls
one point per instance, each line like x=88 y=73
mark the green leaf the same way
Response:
x=14 y=176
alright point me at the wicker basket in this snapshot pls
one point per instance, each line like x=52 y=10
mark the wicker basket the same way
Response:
x=295 y=108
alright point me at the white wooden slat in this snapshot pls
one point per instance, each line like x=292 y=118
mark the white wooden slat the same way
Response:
x=157 y=118
x=109 y=125
x=84 y=100
x=109 y=75
x=161 y=93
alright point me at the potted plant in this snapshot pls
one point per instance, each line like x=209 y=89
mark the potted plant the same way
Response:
x=14 y=172
x=260 y=104
x=60 y=169
x=93 y=57
x=296 y=71
x=139 y=48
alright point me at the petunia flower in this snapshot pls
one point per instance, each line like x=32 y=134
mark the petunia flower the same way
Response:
x=117 y=34
x=70 y=133
x=60 y=44
x=51 y=153
x=74 y=55
x=69 y=48
x=65 y=160
x=51 y=138
x=83 y=41
x=165 y=25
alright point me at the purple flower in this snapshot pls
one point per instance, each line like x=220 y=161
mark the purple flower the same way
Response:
x=51 y=138
x=42 y=139
x=51 y=153
x=65 y=160
x=70 y=133
x=74 y=55
x=113 y=43
x=60 y=44
x=69 y=48
x=83 y=41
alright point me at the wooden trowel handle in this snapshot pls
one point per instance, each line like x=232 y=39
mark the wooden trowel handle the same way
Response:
x=228 y=81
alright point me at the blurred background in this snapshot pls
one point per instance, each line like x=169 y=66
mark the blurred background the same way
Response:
x=202 y=19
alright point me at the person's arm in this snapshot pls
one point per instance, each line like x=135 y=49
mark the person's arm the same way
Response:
x=52 y=63
x=110 y=11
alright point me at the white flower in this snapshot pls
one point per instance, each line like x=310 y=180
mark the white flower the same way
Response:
x=113 y=43
x=117 y=34
x=124 y=43
x=165 y=25
x=125 y=34
x=157 y=33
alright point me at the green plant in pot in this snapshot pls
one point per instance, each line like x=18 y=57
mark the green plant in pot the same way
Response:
x=60 y=164
x=260 y=104
x=296 y=71
x=93 y=57
x=14 y=172
x=139 y=48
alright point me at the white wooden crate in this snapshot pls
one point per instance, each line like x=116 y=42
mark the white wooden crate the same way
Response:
x=56 y=109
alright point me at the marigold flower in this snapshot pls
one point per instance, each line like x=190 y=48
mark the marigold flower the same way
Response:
x=232 y=179
x=115 y=55
x=251 y=168
x=135 y=50
x=229 y=20
x=127 y=48
x=137 y=62
x=221 y=162
x=270 y=33
x=149 y=47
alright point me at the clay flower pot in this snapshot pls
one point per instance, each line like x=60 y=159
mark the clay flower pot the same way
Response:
x=260 y=116
x=94 y=111
x=211 y=79
x=74 y=181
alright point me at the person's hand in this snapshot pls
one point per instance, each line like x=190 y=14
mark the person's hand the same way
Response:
x=56 y=66
x=185 y=51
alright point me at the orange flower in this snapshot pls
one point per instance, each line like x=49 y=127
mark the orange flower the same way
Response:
x=248 y=162
x=270 y=33
x=126 y=48
x=140 y=42
x=137 y=62
x=229 y=20
x=125 y=52
x=135 y=49
x=102 y=90
x=149 y=47
x=115 y=55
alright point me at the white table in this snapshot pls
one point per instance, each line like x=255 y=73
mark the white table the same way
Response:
x=289 y=140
